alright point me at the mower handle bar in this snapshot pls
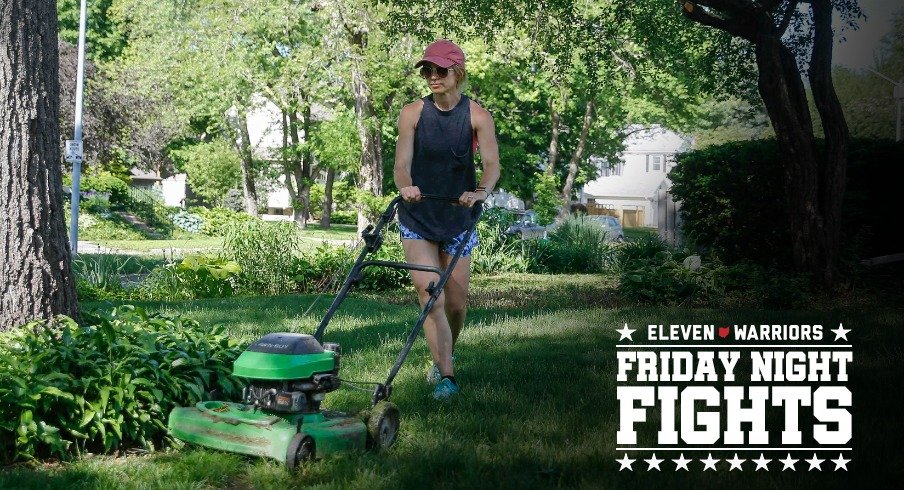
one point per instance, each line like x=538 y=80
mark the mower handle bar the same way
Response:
x=373 y=239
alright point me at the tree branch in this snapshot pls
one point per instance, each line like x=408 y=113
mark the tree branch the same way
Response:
x=697 y=14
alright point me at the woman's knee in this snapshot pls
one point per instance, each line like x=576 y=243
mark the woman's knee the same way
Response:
x=424 y=296
x=456 y=306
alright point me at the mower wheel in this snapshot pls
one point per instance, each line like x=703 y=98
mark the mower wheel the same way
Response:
x=383 y=425
x=301 y=449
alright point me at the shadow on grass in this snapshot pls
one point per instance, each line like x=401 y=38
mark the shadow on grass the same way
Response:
x=538 y=406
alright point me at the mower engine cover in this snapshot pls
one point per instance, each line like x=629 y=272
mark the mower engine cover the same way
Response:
x=285 y=356
x=289 y=372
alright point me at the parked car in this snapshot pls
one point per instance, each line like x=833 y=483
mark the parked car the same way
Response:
x=611 y=225
x=527 y=227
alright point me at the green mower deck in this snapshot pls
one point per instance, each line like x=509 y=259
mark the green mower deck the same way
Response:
x=289 y=438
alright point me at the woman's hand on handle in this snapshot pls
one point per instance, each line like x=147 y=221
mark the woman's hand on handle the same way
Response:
x=469 y=199
x=411 y=193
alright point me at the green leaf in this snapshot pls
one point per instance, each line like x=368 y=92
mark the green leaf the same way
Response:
x=87 y=418
x=54 y=391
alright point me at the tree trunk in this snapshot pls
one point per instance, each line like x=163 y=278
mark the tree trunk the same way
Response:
x=553 y=156
x=574 y=163
x=301 y=201
x=783 y=94
x=35 y=262
x=833 y=173
x=371 y=172
x=239 y=121
x=289 y=164
x=327 y=214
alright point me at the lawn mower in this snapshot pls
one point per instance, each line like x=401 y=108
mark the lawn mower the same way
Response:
x=279 y=415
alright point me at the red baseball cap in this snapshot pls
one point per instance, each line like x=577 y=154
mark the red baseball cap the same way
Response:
x=443 y=53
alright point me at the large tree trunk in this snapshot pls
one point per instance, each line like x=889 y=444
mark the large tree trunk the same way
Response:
x=574 y=163
x=371 y=172
x=36 y=279
x=301 y=171
x=833 y=172
x=784 y=96
x=239 y=121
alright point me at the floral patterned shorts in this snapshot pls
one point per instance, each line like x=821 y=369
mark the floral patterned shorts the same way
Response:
x=448 y=246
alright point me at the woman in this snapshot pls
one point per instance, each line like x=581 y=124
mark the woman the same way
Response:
x=438 y=135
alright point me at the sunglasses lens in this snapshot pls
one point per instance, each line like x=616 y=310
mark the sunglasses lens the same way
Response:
x=428 y=71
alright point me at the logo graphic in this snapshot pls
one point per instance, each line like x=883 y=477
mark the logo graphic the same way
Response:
x=757 y=398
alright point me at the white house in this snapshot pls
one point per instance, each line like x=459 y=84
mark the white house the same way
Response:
x=629 y=188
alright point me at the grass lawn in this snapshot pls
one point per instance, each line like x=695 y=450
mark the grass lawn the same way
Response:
x=312 y=236
x=334 y=232
x=538 y=407
x=145 y=246
x=635 y=233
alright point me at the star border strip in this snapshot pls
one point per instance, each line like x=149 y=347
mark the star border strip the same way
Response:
x=735 y=463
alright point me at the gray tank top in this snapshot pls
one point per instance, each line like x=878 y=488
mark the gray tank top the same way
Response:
x=442 y=165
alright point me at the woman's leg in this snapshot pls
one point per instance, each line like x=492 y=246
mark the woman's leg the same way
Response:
x=436 y=326
x=456 y=292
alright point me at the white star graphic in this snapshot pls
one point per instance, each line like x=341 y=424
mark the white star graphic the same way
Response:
x=762 y=463
x=840 y=332
x=626 y=333
x=815 y=463
x=735 y=462
x=789 y=463
x=681 y=462
x=654 y=462
x=840 y=462
x=709 y=463
x=625 y=463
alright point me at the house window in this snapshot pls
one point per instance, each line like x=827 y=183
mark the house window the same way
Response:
x=617 y=169
x=655 y=163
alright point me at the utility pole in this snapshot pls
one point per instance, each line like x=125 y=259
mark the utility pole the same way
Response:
x=899 y=100
x=74 y=148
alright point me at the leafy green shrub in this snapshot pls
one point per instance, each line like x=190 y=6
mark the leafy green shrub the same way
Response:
x=195 y=276
x=497 y=252
x=733 y=200
x=111 y=227
x=323 y=269
x=266 y=254
x=645 y=247
x=186 y=221
x=234 y=200
x=663 y=279
x=95 y=202
x=384 y=278
x=98 y=277
x=547 y=201
x=574 y=246
x=69 y=389
x=115 y=188
x=217 y=221
x=154 y=214
x=344 y=217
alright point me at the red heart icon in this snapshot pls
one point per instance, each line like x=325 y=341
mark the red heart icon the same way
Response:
x=723 y=331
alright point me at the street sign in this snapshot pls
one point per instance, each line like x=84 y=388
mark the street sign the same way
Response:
x=74 y=151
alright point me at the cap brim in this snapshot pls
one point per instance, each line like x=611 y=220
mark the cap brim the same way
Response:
x=436 y=60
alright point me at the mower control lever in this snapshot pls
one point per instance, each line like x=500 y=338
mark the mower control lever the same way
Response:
x=381 y=392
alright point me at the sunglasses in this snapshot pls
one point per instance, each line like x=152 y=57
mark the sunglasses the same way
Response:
x=427 y=71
